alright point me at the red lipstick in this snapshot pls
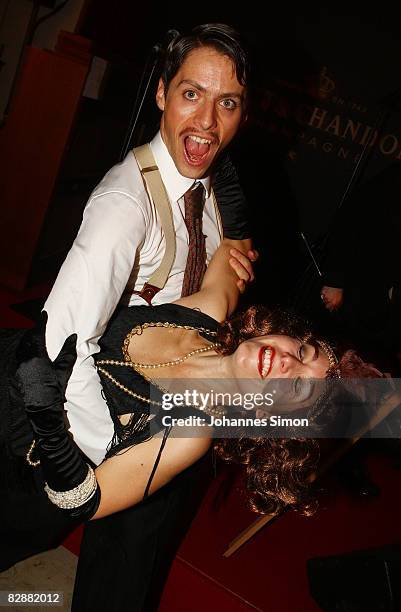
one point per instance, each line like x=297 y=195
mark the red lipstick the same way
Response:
x=261 y=358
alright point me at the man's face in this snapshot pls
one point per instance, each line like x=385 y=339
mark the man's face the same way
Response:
x=202 y=110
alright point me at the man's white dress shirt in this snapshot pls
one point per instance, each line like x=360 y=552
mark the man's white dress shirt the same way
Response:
x=119 y=245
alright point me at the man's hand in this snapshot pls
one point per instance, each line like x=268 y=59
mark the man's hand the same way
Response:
x=332 y=297
x=242 y=265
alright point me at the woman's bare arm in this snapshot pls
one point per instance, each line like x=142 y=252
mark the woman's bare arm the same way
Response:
x=220 y=290
x=123 y=478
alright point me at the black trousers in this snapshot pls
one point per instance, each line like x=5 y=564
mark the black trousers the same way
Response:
x=126 y=557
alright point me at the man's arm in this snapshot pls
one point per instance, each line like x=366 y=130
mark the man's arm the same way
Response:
x=85 y=294
x=219 y=293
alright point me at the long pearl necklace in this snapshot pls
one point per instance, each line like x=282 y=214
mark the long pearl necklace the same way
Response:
x=137 y=366
x=177 y=361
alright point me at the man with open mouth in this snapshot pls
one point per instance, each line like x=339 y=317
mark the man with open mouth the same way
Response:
x=203 y=106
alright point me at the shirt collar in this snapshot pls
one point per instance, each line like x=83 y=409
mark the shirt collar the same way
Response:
x=175 y=183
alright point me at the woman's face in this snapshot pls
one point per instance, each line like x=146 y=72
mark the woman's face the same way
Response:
x=277 y=356
x=284 y=366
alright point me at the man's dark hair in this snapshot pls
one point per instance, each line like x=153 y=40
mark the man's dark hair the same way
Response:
x=219 y=36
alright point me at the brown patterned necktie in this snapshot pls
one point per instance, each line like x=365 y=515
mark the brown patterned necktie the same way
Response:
x=196 y=262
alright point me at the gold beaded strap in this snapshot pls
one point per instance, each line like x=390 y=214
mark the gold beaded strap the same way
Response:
x=138 y=330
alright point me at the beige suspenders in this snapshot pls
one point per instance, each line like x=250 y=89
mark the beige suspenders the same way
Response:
x=157 y=193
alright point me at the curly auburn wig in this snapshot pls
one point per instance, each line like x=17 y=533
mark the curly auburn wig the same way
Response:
x=279 y=470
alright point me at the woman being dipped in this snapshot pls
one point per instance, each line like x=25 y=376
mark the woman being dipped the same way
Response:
x=182 y=340
x=186 y=341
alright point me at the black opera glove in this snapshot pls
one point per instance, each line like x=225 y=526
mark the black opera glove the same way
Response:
x=230 y=199
x=70 y=482
x=33 y=344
